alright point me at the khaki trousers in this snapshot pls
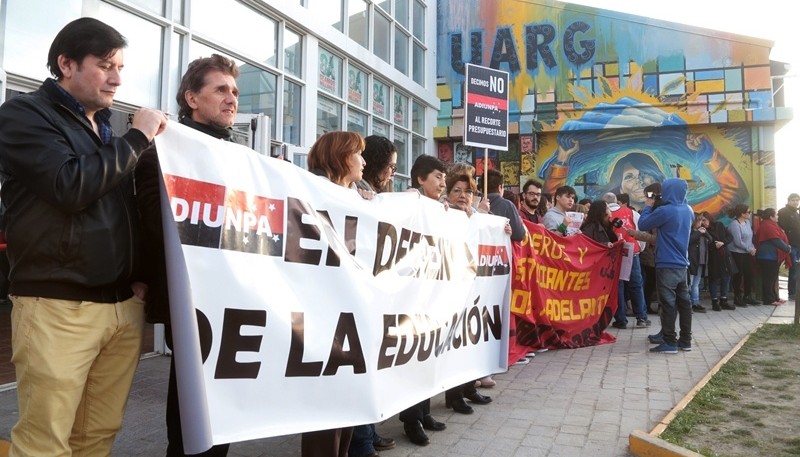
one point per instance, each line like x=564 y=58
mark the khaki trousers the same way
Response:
x=74 y=363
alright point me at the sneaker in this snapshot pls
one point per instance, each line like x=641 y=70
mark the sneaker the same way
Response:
x=665 y=348
x=542 y=350
x=620 y=325
x=531 y=354
x=684 y=346
x=643 y=322
x=698 y=308
x=656 y=339
x=522 y=361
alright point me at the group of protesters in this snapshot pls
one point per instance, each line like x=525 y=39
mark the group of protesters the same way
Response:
x=82 y=210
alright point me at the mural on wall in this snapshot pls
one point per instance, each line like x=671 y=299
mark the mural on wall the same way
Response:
x=623 y=100
x=625 y=140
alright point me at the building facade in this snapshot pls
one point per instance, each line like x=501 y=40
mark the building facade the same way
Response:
x=606 y=101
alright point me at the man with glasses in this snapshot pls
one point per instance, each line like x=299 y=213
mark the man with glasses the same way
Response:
x=531 y=194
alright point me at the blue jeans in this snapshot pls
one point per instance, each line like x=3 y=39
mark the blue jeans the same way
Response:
x=719 y=287
x=695 y=290
x=361 y=444
x=635 y=291
x=793 y=270
x=673 y=292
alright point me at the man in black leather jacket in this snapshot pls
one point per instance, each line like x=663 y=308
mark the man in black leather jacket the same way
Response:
x=72 y=233
x=208 y=99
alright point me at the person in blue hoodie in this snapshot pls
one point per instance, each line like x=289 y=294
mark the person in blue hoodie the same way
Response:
x=672 y=217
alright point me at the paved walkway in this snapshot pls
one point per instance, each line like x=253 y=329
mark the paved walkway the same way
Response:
x=569 y=403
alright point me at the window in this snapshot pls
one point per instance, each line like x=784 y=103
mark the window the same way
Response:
x=358 y=22
x=382 y=37
x=37 y=36
x=357 y=87
x=380 y=128
x=292 y=108
x=400 y=51
x=380 y=99
x=331 y=9
x=356 y=122
x=418 y=65
x=419 y=20
x=292 y=53
x=141 y=77
x=154 y=6
x=400 y=110
x=330 y=70
x=206 y=19
x=329 y=115
x=401 y=12
x=417 y=118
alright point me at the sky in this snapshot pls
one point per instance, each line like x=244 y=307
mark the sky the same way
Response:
x=768 y=19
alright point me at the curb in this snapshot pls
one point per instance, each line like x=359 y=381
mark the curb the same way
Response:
x=644 y=444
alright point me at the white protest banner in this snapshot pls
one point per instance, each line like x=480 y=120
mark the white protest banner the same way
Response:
x=314 y=308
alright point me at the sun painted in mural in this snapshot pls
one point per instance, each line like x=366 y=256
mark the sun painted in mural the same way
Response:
x=626 y=138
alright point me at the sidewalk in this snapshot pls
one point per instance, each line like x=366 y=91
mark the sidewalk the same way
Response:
x=570 y=403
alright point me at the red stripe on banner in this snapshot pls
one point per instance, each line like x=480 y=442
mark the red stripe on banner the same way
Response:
x=499 y=103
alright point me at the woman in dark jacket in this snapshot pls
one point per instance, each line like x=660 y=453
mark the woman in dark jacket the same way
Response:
x=597 y=224
x=700 y=242
x=720 y=264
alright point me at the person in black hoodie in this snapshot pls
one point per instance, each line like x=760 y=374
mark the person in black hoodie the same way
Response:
x=208 y=98
x=720 y=264
x=789 y=221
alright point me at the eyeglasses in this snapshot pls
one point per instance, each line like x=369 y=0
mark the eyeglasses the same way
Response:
x=459 y=191
x=393 y=167
x=534 y=194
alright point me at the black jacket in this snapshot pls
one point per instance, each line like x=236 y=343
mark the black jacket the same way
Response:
x=71 y=220
x=148 y=200
x=789 y=220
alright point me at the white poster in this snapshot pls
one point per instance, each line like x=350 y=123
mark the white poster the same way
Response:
x=295 y=286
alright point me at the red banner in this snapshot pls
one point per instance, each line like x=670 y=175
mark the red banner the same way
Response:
x=563 y=291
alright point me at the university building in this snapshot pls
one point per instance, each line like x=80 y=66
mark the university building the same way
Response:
x=599 y=100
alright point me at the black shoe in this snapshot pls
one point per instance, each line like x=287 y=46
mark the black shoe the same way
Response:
x=479 y=399
x=429 y=423
x=751 y=301
x=698 y=308
x=383 y=444
x=459 y=406
x=415 y=433
x=620 y=325
x=737 y=301
x=715 y=304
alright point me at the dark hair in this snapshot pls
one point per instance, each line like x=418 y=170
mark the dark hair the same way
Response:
x=511 y=196
x=541 y=208
x=566 y=190
x=494 y=180
x=738 y=210
x=586 y=201
x=83 y=37
x=711 y=219
x=624 y=199
x=767 y=213
x=378 y=152
x=195 y=78
x=330 y=152
x=531 y=182
x=423 y=166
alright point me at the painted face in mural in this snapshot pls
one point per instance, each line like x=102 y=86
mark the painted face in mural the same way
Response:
x=634 y=182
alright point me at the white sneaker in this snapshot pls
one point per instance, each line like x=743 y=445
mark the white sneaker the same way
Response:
x=531 y=354
x=522 y=361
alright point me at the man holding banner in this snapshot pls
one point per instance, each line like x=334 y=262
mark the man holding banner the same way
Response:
x=208 y=101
